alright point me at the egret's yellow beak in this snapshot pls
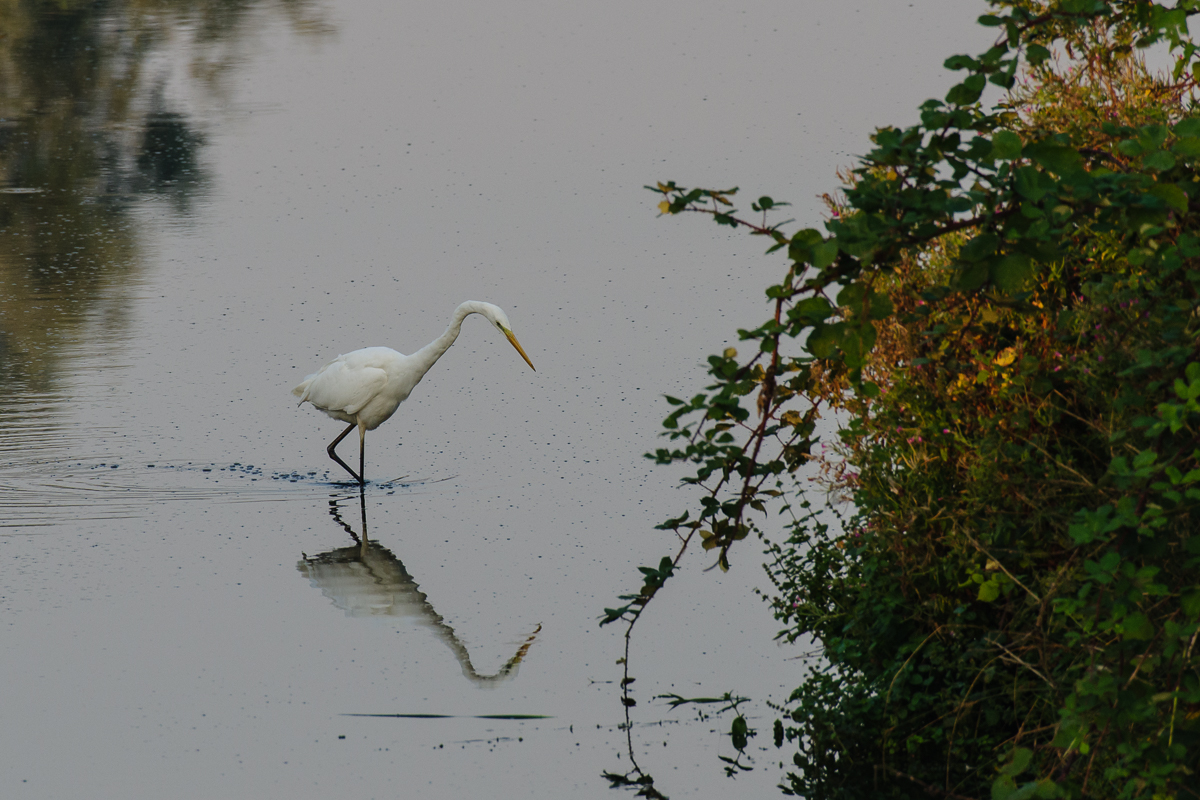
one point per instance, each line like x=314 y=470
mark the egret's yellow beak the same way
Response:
x=513 y=341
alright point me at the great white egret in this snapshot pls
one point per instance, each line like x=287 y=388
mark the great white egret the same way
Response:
x=366 y=386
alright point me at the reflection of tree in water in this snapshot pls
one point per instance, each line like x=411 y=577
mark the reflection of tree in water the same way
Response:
x=87 y=127
x=168 y=151
x=367 y=580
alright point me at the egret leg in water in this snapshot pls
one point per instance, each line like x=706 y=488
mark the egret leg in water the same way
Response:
x=362 y=438
x=365 y=387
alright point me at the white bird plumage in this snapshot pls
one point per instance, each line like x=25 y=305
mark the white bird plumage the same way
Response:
x=365 y=387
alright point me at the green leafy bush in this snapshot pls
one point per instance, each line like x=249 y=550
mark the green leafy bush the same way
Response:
x=1004 y=316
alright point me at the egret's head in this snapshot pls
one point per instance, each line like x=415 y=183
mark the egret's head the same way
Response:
x=497 y=317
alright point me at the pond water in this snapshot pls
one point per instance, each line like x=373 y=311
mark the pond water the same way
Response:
x=202 y=202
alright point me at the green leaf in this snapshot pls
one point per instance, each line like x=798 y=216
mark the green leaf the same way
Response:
x=960 y=62
x=1190 y=602
x=1004 y=80
x=874 y=305
x=971 y=276
x=824 y=339
x=1020 y=762
x=1046 y=789
x=801 y=244
x=1187 y=147
x=1055 y=157
x=1144 y=459
x=1138 y=626
x=1130 y=147
x=739 y=733
x=1170 y=194
x=1159 y=160
x=857 y=344
x=851 y=297
x=989 y=591
x=824 y=254
x=1032 y=184
x=980 y=247
x=811 y=310
x=881 y=305
x=1027 y=791
x=1188 y=127
x=1006 y=145
x=1152 y=137
x=1012 y=272
x=967 y=92
x=1069 y=735
x=1036 y=54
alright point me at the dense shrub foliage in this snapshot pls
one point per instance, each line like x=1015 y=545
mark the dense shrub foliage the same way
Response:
x=1003 y=314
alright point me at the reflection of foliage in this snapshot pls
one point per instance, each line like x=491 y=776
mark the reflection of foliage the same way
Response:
x=168 y=149
x=653 y=579
x=81 y=86
x=86 y=125
x=740 y=734
x=1005 y=316
x=739 y=731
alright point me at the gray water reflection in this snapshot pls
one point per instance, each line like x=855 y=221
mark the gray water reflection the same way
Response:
x=368 y=580
x=92 y=126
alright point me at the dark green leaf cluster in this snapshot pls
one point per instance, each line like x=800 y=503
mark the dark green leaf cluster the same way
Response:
x=654 y=579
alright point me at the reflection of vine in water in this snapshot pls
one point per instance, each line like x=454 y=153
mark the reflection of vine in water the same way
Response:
x=88 y=125
x=369 y=580
x=739 y=732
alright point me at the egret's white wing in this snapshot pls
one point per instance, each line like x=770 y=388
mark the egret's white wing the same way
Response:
x=344 y=384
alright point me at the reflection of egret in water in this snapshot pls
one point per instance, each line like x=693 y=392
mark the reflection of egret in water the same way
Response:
x=367 y=580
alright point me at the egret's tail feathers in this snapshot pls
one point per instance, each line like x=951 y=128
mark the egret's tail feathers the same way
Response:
x=301 y=391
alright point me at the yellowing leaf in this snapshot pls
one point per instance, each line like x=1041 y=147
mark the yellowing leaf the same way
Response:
x=730 y=352
x=1006 y=357
x=664 y=207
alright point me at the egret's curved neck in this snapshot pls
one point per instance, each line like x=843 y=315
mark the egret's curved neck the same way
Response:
x=428 y=355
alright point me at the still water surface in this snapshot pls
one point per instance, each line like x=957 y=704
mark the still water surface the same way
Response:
x=202 y=202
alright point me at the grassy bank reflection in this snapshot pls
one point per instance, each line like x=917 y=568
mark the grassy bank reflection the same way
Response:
x=90 y=127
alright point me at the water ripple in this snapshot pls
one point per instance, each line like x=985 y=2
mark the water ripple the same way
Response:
x=44 y=493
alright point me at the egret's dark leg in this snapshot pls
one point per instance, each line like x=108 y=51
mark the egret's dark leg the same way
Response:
x=362 y=473
x=334 y=455
x=362 y=506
